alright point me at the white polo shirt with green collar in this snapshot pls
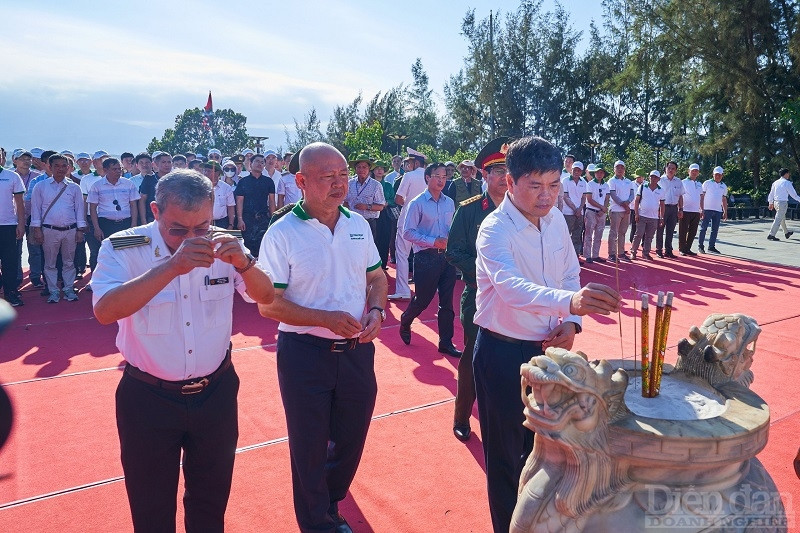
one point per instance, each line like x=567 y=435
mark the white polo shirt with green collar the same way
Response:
x=319 y=269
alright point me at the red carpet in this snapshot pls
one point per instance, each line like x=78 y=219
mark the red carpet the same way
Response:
x=60 y=470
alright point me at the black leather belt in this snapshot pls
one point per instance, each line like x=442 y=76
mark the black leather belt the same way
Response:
x=189 y=386
x=60 y=228
x=431 y=251
x=333 y=345
x=592 y=209
x=511 y=340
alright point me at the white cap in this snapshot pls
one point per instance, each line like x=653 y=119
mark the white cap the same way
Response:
x=694 y=166
x=655 y=173
x=82 y=155
x=155 y=154
x=577 y=164
x=719 y=170
x=591 y=167
x=449 y=163
x=37 y=153
x=215 y=151
x=67 y=152
x=269 y=153
x=99 y=154
x=247 y=151
x=619 y=162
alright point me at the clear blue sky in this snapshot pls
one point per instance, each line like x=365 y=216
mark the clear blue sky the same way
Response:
x=87 y=75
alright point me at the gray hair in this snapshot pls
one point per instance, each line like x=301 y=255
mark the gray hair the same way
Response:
x=188 y=189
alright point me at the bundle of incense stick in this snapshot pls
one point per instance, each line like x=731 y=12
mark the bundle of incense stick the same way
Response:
x=652 y=368
x=128 y=241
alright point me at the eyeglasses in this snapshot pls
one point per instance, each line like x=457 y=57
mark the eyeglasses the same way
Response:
x=229 y=169
x=116 y=204
x=183 y=232
x=500 y=171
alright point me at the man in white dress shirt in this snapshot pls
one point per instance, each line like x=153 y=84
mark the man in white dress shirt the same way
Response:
x=778 y=199
x=691 y=211
x=58 y=219
x=649 y=209
x=169 y=285
x=529 y=298
x=412 y=185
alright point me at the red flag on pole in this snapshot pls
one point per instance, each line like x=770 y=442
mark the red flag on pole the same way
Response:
x=209 y=108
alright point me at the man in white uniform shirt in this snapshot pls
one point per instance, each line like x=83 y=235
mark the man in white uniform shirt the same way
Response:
x=412 y=185
x=224 y=202
x=330 y=294
x=622 y=191
x=574 y=191
x=691 y=211
x=715 y=208
x=58 y=220
x=287 y=190
x=529 y=298
x=169 y=285
x=778 y=199
x=649 y=209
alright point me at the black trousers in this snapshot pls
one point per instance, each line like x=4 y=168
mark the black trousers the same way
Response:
x=154 y=425
x=222 y=222
x=328 y=398
x=109 y=227
x=92 y=243
x=9 y=260
x=506 y=442
x=433 y=273
x=670 y=221
x=384 y=233
x=687 y=230
x=465 y=394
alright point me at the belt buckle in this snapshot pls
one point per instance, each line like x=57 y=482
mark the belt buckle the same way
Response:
x=194 y=388
x=340 y=346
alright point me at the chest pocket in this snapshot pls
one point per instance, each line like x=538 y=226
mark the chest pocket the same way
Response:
x=217 y=302
x=155 y=318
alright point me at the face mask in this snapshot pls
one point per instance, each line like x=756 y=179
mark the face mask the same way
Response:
x=230 y=173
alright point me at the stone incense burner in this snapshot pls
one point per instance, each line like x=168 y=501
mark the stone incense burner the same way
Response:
x=598 y=465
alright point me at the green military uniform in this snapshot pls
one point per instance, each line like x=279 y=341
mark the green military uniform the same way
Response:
x=459 y=190
x=461 y=252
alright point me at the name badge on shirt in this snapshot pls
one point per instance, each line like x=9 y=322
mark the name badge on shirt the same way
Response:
x=218 y=281
x=356 y=236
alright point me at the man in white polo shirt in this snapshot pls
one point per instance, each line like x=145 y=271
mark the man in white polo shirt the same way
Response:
x=224 y=201
x=649 y=209
x=673 y=198
x=12 y=228
x=715 y=208
x=113 y=202
x=574 y=191
x=58 y=219
x=330 y=294
x=691 y=211
x=622 y=191
x=412 y=185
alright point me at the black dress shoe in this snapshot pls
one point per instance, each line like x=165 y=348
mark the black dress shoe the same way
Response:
x=670 y=255
x=405 y=333
x=788 y=234
x=648 y=257
x=449 y=350
x=714 y=250
x=341 y=524
x=772 y=238
x=690 y=253
x=599 y=260
x=702 y=249
x=462 y=432
x=660 y=254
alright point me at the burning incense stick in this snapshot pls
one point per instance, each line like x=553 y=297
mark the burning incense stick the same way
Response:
x=645 y=360
x=656 y=343
x=659 y=369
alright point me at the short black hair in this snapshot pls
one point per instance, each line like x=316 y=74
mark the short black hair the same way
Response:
x=161 y=156
x=532 y=155
x=110 y=161
x=194 y=163
x=430 y=168
x=782 y=172
x=142 y=155
x=671 y=163
x=179 y=157
x=56 y=157
x=570 y=156
x=125 y=154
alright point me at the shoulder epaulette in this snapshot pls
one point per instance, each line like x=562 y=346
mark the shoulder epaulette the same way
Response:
x=128 y=241
x=470 y=200
x=278 y=214
x=234 y=232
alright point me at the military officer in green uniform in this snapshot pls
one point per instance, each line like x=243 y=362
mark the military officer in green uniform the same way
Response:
x=461 y=253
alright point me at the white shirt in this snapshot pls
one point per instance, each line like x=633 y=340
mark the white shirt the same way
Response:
x=781 y=190
x=713 y=195
x=599 y=193
x=103 y=193
x=391 y=177
x=223 y=198
x=673 y=189
x=692 y=189
x=369 y=192
x=624 y=189
x=319 y=269
x=184 y=331
x=573 y=191
x=137 y=180
x=68 y=210
x=650 y=201
x=87 y=181
x=287 y=186
x=412 y=185
x=526 y=277
x=10 y=184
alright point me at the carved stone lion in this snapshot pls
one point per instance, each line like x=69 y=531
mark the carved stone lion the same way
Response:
x=597 y=467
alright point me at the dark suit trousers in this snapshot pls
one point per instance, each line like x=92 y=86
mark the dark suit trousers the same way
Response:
x=154 y=425
x=506 y=442
x=465 y=395
x=433 y=273
x=687 y=230
x=670 y=221
x=328 y=398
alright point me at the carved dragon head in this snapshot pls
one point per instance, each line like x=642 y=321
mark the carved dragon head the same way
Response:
x=721 y=349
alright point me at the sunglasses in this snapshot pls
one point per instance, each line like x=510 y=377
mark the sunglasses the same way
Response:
x=116 y=205
x=229 y=169
x=183 y=232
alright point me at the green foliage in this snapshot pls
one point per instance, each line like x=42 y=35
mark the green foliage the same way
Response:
x=306 y=133
x=228 y=127
x=367 y=139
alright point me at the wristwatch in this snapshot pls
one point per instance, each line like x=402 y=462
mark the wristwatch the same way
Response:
x=381 y=310
x=250 y=262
